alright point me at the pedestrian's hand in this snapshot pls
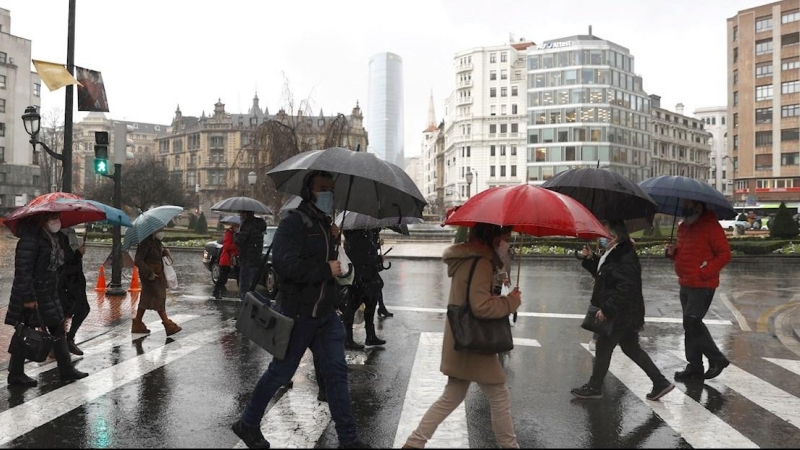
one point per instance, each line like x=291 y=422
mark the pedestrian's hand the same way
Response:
x=670 y=249
x=336 y=268
x=30 y=305
x=599 y=316
x=515 y=293
x=334 y=230
x=586 y=251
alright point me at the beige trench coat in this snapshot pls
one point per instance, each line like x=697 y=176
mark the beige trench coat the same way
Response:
x=475 y=367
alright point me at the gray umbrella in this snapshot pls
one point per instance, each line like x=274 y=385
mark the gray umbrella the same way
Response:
x=364 y=183
x=358 y=221
x=236 y=204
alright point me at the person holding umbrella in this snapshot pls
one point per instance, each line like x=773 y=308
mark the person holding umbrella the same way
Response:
x=250 y=242
x=149 y=259
x=72 y=285
x=362 y=247
x=34 y=297
x=228 y=254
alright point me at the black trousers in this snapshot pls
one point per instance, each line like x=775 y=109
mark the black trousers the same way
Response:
x=695 y=303
x=628 y=340
x=360 y=293
x=224 y=272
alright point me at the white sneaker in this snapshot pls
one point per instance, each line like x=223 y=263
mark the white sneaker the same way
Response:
x=592 y=346
x=643 y=340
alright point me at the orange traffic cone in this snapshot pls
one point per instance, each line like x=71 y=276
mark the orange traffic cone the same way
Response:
x=135 y=287
x=101 y=280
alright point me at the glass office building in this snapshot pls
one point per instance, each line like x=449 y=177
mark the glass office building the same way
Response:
x=586 y=106
x=385 y=108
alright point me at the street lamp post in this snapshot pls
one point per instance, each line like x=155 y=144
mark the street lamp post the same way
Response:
x=468 y=177
x=32 y=121
x=197 y=191
x=251 y=179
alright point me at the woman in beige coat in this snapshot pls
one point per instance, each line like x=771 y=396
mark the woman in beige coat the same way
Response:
x=463 y=368
x=149 y=260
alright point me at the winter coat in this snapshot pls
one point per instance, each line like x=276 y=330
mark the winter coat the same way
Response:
x=702 y=243
x=149 y=260
x=618 y=286
x=362 y=248
x=480 y=368
x=71 y=280
x=36 y=263
x=302 y=247
x=250 y=240
x=229 y=248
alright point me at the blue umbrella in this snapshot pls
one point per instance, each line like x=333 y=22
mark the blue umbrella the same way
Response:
x=114 y=216
x=148 y=223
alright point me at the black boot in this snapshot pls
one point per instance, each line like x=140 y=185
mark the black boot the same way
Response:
x=65 y=368
x=372 y=338
x=16 y=372
x=350 y=344
x=383 y=312
x=217 y=292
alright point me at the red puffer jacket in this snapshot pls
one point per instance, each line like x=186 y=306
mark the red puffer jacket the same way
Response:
x=229 y=249
x=702 y=251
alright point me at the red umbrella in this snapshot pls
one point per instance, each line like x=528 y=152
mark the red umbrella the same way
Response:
x=51 y=197
x=531 y=210
x=69 y=213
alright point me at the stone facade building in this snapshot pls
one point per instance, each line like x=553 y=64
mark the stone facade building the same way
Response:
x=680 y=143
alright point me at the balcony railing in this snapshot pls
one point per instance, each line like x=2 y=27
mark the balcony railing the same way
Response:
x=465 y=83
x=464 y=101
x=464 y=67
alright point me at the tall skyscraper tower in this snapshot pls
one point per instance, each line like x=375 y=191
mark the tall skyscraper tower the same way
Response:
x=385 y=107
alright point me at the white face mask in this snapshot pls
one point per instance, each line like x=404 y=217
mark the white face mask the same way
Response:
x=502 y=248
x=54 y=225
x=159 y=235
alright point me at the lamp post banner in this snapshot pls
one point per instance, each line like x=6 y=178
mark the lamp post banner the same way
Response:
x=91 y=90
x=54 y=75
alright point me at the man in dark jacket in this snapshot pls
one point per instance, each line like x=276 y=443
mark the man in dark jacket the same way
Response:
x=72 y=285
x=304 y=257
x=701 y=252
x=250 y=240
x=362 y=248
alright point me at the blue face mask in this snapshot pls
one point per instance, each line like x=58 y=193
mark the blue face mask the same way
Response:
x=324 y=202
x=604 y=242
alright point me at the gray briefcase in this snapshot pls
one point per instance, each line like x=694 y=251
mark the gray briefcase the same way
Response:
x=266 y=327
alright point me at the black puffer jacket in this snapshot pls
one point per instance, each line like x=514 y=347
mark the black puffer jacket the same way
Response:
x=250 y=240
x=36 y=278
x=71 y=280
x=302 y=247
x=618 y=286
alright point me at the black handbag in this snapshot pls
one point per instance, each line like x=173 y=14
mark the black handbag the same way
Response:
x=476 y=335
x=35 y=345
x=591 y=323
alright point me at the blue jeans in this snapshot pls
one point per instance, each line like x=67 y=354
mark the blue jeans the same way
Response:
x=325 y=337
x=246 y=277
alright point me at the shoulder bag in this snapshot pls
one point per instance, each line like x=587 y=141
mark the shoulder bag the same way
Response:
x=476 y=335
x=30 y=342
x=591 y=323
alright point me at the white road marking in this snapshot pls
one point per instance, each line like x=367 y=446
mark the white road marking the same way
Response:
x=697 y=425
x=100 y=346
x=736 y=313
x=561 y=315
x=773 y=399
x=526 y=342
x=791 y=365
x=425 y=386
x=28 y=416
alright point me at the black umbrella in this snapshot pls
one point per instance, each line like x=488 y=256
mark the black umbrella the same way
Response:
x=236 y=204
x=364 y=183
x=608 y=195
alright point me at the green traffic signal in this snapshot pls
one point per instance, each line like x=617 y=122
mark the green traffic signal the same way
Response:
x=101 y=166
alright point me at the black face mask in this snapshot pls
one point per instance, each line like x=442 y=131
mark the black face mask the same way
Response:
x=688 y=212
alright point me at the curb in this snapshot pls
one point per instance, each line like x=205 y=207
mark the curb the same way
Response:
x=794 y=322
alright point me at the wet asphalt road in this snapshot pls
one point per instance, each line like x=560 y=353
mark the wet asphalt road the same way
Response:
x=186 y=390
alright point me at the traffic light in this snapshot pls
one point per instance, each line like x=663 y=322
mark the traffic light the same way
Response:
x=122 y=142
x=101 y=152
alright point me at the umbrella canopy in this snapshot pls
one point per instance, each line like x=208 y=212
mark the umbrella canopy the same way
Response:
x=364 y=183
x=51 y=197
x=236 y=204
x=70 y=213
x=114 y=216
x=670 y=191
x=608 y=195
x=357 y=221
x=531 y=210
x=232 y=219
x=148 y=222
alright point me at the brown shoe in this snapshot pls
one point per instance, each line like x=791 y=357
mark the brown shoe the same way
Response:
x=171 y=327
x=137 y=326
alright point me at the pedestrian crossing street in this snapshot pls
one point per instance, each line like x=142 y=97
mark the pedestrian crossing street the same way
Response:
x=298 y=420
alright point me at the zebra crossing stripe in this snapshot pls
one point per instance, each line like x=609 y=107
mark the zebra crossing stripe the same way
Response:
x=100 y=346
x=791 y=365
x=773 y=399
x=32 y=414
x=697 y=425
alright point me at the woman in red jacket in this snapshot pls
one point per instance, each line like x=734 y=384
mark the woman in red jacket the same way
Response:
x=227 y=256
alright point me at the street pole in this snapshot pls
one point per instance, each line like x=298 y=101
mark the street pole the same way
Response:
x=67 y=152
x=115 y=288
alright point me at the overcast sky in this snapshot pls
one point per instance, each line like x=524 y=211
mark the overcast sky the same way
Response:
x=155 y=55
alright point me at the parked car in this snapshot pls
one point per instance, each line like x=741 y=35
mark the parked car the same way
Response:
x=211 y=261
x=731 y=224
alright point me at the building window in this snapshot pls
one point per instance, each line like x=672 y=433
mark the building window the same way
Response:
x=736 y=142
x=503 y=91
x=503 y=74
x=735 y=120
x=790 y=63
x=763 y=24
x=216 y=156
x=763 y=115
x=735 y=55
x=2 y=81
x=764 y=46
x=514 y=91
x=502 y=171
x=735 y=77
x=735 y=33
x=788 y=159
x=762 y=93
x=2 y=154
x=791 y=134
x=491 y=150
x=514 y=128
x=2 y=177
x=2 y=105
x=790 y=16
x=763 y=138
x=513 y=109
x=2 y=129
x=492 y=92
x=790 y=87
x=723 y=120
x=502 y=150
x=492 y=129
x=513 y=150
x=504 y=57
x=493 y=58
x=790 y=39
x=216 y=177
x=763 y=162
x=491 y=171
x=513 y=170
x=504 y=128
x=735 y=98
x=3 y=57
x=790 y=110
x=492 y=75
x=764 y=69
